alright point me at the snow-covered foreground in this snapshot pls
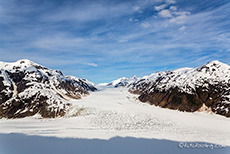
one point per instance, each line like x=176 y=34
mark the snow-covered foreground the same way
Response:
x=23 y=144
x=113 y=112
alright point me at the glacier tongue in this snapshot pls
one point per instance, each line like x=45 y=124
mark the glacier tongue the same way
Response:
x=116 y=112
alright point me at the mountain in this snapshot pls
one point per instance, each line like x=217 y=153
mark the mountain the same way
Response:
x=122 y=82
x=27 y=88
x=86 y=84
x=188 y=89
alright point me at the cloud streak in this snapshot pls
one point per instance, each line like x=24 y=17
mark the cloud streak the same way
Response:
x=123 y=38
x=92 y=64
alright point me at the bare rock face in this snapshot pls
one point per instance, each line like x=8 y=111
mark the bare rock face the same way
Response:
x=27 y=88
x=188 y=89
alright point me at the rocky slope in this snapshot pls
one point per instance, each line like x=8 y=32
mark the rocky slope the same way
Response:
x=27 y=88
x=205 y=87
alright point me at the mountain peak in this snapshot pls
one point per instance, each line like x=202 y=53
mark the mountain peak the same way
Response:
x=216 y=63
x=23 y=63
x=26 y=62
x=134 y=77
x=123 y=81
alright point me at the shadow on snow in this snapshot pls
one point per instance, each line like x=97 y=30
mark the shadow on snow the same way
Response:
x=23 y=144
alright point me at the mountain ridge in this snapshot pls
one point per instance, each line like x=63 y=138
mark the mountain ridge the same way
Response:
x=188 y=89
x=27 y=88
x=122 y=81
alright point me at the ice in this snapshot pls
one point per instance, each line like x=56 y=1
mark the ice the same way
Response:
x=112 y=112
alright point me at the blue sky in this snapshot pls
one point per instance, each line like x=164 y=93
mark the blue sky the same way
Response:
x=102 y=40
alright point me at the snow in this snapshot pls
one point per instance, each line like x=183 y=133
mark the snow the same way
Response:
x=89 y=83
x=23 y=144
x=6 y=80
x=187 y=79
x=22 y=64
x=111 y=112
x=15 y=89
x=43 y=81
x=123 y=81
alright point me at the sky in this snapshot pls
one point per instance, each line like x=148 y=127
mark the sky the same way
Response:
x=102 y=40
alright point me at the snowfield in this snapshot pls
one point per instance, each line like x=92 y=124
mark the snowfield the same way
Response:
x=112 y=112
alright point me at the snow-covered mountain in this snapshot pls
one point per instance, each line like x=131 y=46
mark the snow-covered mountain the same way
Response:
x=86 y=84
x=188 y=89
x=122 y=82
x=27 y=88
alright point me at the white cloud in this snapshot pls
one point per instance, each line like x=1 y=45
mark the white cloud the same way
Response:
x=165 y=14
x=178 y=20
x=158 y=8
x=91 y=64
x=133 y=20
x=182 y=28
x=89 y=12
x=170 y=1
x=167 y=2
x=58 y=42
x=103 y=49
x=182 y=13
x=136 y=8
x=180 y=17
x=123 y=40
x=173 y=8
x=146 y=25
